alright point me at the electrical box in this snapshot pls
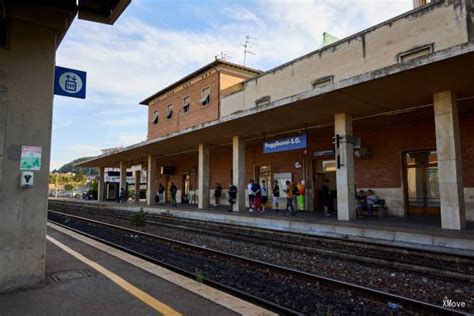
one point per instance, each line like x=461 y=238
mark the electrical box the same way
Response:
x=26 y=179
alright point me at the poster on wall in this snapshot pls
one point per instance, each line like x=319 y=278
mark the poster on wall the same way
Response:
x=282 y=178
x=30 y=158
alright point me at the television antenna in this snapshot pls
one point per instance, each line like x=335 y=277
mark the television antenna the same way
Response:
x=223 y=55
x=248 y=45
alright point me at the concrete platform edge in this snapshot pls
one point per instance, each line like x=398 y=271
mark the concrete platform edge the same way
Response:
x=218 y=297
x=391 y=236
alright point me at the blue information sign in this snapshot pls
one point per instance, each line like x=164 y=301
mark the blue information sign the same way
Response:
x=70 y=82
x=284 y=144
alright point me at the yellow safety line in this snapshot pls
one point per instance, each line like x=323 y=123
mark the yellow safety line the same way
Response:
x=130 y=288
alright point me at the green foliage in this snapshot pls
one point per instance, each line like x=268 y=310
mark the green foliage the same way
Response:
x=138 y=219
x=93 y=189
x=69 y=187
x=199 y=275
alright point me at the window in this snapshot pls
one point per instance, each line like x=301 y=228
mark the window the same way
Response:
x=265 y=100
x=169 y=112
x=186 y=104
x=415 y=53
x=155 y=117
x=205 y=96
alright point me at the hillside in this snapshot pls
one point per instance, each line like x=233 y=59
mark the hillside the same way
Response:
x=69 y=167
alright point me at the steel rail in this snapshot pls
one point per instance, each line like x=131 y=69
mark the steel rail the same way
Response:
x=282 y=240
x=357 y=290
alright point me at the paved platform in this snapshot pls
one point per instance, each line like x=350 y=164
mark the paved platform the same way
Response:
x=411 y=232
x=85 y=277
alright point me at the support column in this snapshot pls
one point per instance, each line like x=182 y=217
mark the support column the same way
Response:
x=123 y=176
x=238 y=171
x=100 y=185
x=203 y=177
x=448 y=147
x=151 y=180
x=345 y=173
x=137 y=185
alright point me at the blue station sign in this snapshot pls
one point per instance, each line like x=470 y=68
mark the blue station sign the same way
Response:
x=284 y=144
x=70 y=82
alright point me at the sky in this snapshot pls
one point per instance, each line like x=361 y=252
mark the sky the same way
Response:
x=156 y=42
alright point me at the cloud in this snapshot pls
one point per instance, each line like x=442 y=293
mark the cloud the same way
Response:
x=138 y=56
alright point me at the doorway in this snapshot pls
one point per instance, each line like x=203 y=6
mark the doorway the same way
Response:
x=421 y=182
x=185 y=188
x=264 y=172
x=324 y=169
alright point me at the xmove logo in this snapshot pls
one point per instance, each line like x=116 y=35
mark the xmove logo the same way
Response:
x=450 y=303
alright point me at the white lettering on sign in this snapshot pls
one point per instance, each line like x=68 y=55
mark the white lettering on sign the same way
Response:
x=70 y=82
x=279 y=143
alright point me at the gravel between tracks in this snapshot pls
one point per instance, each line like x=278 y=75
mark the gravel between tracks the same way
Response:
x=298 y=295
x=418 y=286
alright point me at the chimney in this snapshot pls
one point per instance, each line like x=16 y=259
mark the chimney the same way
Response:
x=419 y=3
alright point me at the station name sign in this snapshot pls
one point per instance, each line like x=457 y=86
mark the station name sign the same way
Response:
x=70 y=82
x=284 y=144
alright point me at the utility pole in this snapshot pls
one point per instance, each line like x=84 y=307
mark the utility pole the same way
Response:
x=57 y=176
x=247 y=46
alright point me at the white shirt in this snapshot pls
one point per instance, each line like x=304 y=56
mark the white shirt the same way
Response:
x=249 y=188
x=264 y=190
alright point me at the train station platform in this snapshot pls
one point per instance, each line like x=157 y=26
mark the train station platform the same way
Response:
x=411 y=232
x=86 y=277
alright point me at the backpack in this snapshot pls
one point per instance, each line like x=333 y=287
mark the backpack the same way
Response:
x=295 y=190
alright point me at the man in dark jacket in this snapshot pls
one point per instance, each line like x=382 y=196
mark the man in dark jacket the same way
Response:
x=173 y=191
x=232 y=196
x=326 y=197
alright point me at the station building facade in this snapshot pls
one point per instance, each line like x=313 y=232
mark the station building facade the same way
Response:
x=398 y=97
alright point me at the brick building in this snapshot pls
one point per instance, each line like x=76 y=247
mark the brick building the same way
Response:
x=194 y=99
x=398 y=95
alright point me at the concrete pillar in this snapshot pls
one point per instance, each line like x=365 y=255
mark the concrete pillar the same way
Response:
x=345 y=174
x=100 y=185
x=203 y=177
x=151 y=180
x=238 y=171
x=448 y=146
x=123 y=175
x=137 y=185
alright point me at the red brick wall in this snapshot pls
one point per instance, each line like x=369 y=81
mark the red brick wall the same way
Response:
x=198 y=114
x=381 y=170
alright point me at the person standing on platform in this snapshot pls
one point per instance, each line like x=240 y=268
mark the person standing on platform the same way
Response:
x=251 y=195
x=275 y=196
x=289 y=199
x=257 y=197
x=300 y=197
x=161 y=194
x=264 y=190
x=217 y=193
x=326 y=197
x=232 y=196
x=173 y=191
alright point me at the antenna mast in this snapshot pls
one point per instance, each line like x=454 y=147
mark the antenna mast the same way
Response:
x=247 y=46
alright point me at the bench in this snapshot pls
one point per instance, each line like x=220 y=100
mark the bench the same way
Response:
x=380 y=209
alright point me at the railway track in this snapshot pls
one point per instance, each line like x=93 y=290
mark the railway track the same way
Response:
x=257 y=269
x=451 y=266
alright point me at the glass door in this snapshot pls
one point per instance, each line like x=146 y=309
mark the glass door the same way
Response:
x=421 y=183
